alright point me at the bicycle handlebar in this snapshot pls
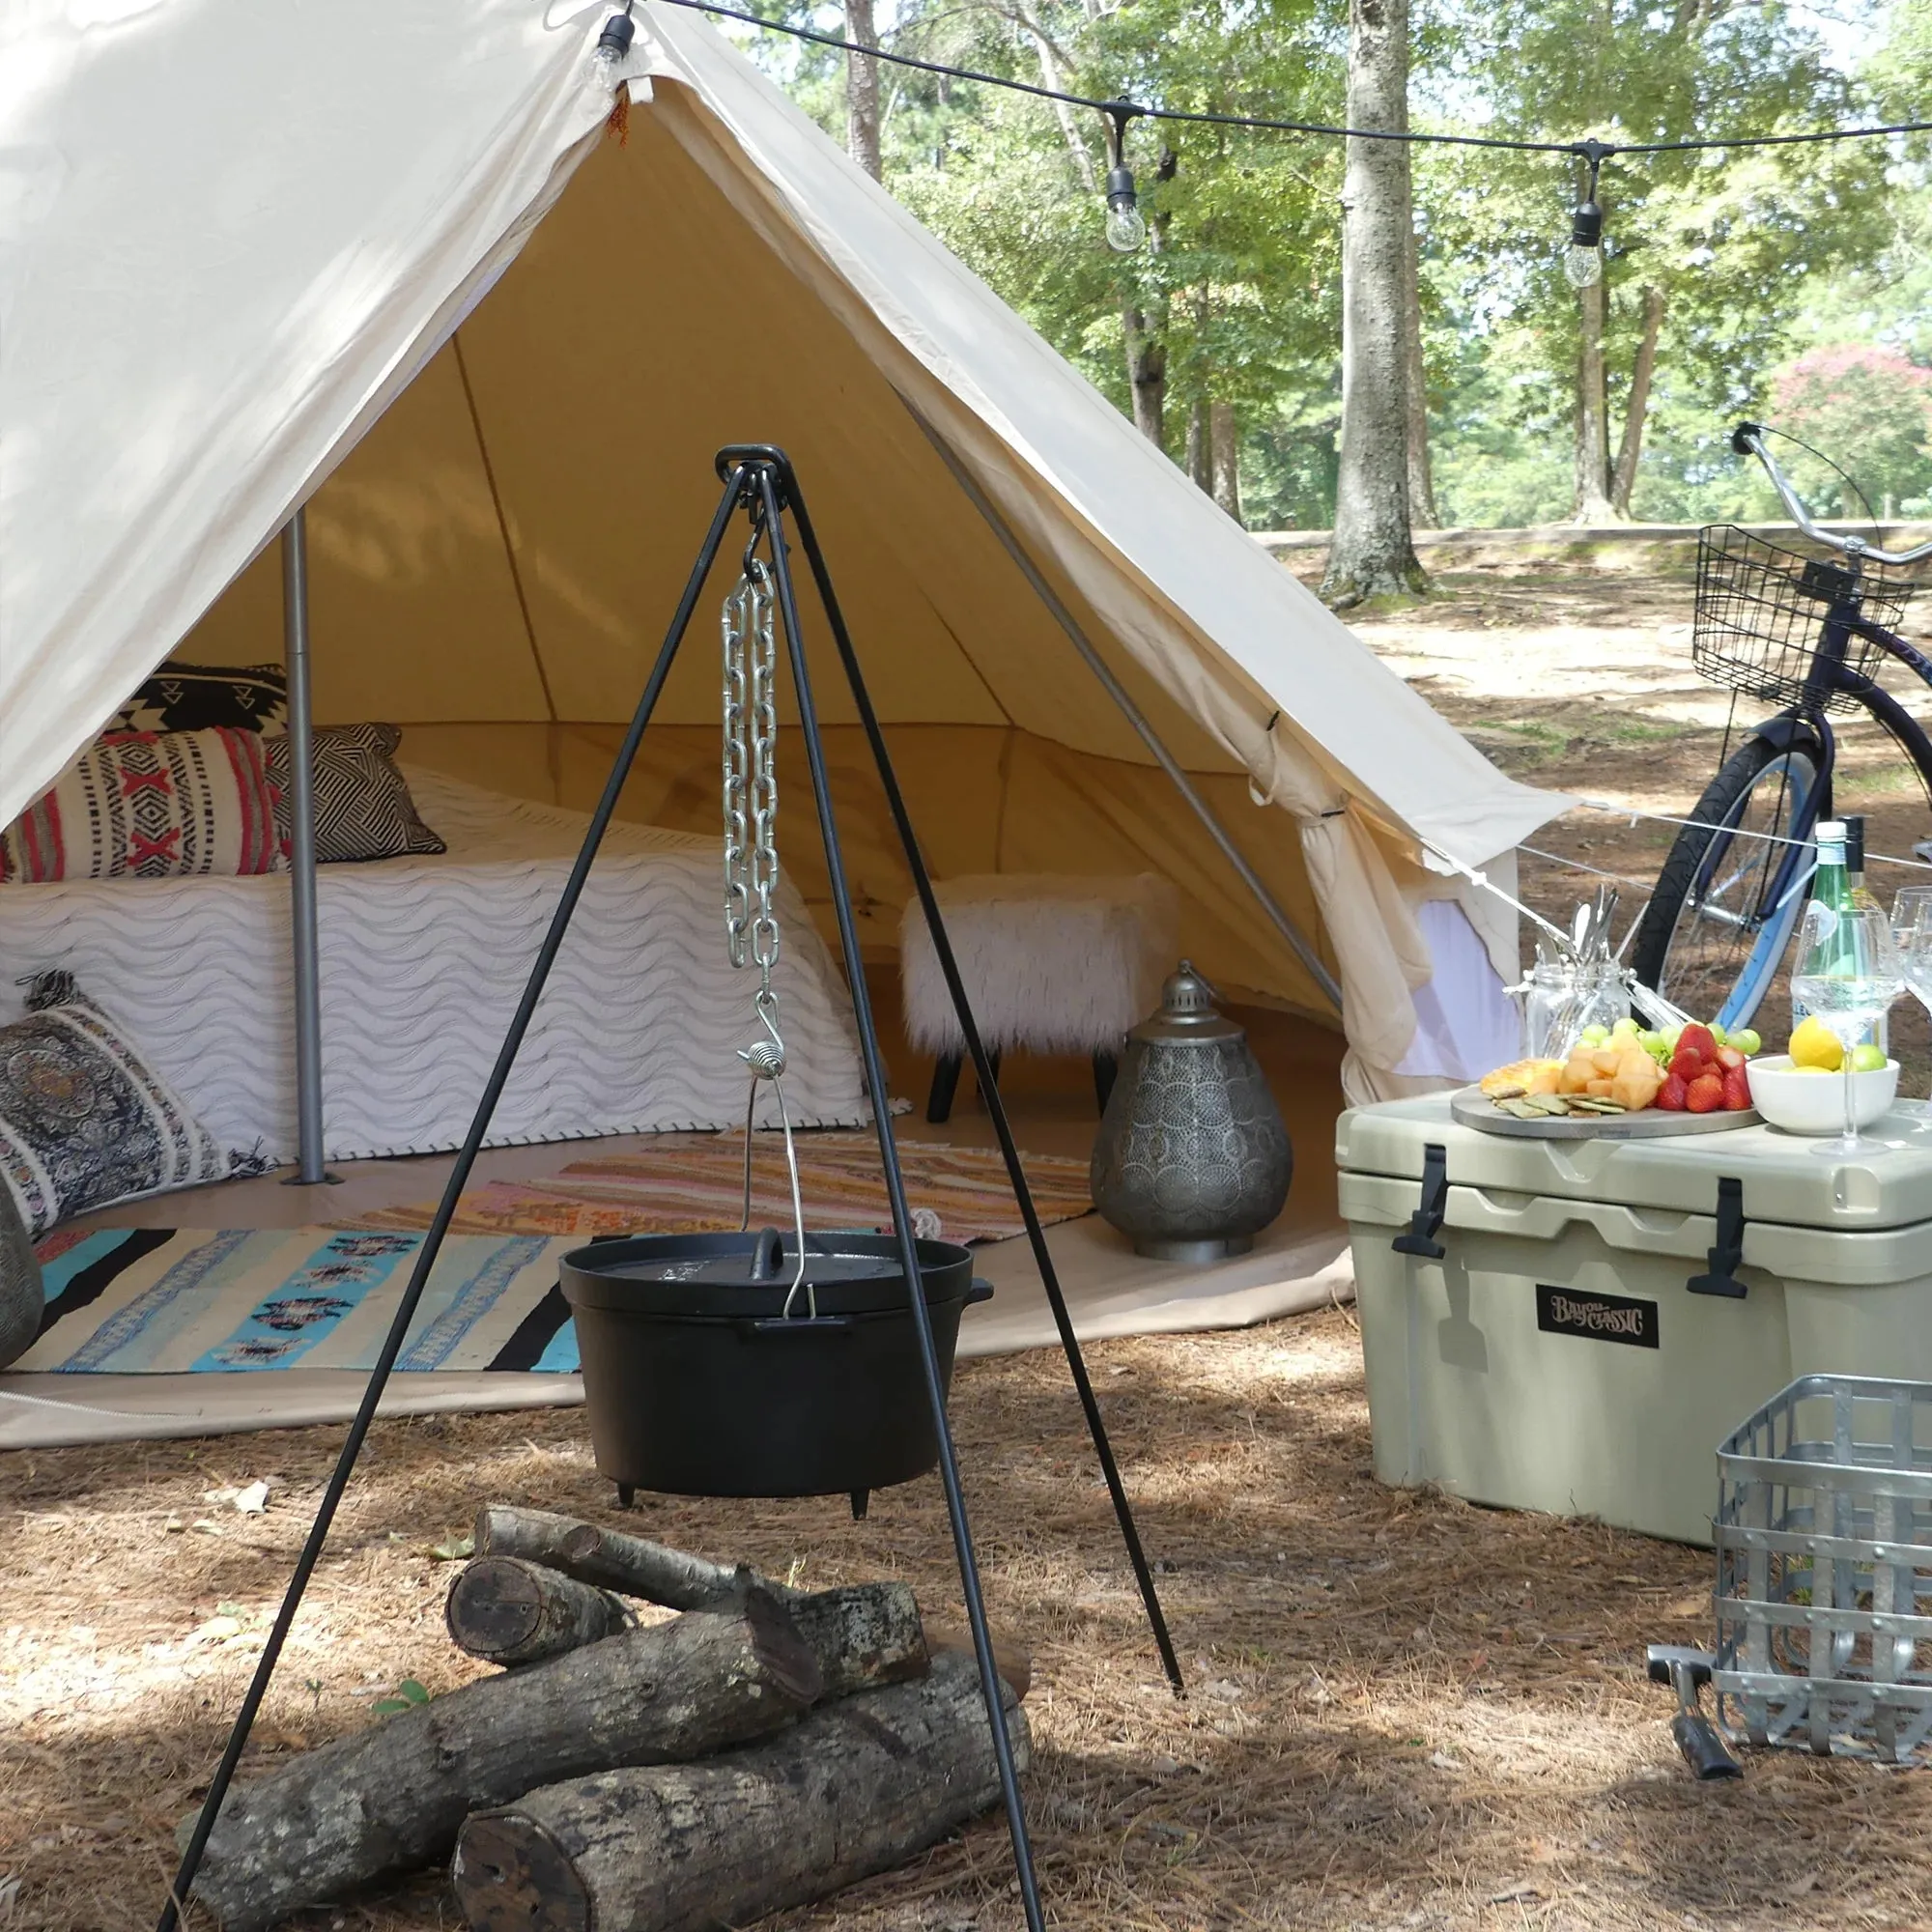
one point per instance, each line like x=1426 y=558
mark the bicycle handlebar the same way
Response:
x=1747 y=439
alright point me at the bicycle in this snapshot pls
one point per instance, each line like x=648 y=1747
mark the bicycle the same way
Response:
x=1807 y=632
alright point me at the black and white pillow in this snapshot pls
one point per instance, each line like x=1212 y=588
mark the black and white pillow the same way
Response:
x=362 y=803
x=200 y=697
x=84 y=1120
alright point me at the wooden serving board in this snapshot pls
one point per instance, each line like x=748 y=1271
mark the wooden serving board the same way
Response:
x=1473 y=1108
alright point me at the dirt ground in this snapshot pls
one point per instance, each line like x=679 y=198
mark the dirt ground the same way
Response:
x=1580 y=679
x=1405 y=1712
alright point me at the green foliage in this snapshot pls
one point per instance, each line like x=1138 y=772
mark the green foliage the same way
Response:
x=1762 y=257
x=408 y=1695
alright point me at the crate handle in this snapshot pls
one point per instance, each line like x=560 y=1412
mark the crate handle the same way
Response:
x=1729 y=1250
x=1426 y=1223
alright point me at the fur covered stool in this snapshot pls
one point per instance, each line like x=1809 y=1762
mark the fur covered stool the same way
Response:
x=1052 y=964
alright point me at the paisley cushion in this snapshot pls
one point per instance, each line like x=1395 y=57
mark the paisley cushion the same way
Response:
x=84 y=1120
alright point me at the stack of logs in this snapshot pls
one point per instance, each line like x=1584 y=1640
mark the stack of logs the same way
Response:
x=759 y=1750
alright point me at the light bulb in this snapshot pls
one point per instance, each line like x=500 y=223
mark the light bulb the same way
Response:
x=1584 y=266
x=609 y=55
x=1126 y=225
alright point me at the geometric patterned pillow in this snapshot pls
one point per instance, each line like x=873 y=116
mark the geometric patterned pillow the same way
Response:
x=197 y=697
x=84 y=1120
x=362 y=803
x=153 y=806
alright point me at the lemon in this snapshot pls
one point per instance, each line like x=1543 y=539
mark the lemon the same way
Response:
x=1814 y=1044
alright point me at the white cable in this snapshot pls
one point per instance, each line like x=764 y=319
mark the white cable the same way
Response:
x=1731 y=831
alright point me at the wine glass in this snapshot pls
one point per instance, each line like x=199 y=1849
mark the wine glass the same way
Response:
x=1848 y=973
x=1912 y=931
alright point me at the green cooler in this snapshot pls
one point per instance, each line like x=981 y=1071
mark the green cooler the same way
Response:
x=1575 y=1325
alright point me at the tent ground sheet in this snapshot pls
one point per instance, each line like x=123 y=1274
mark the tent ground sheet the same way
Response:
x=1110 y=1291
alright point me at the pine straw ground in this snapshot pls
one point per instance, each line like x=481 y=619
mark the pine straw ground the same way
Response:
x=1405 y=1712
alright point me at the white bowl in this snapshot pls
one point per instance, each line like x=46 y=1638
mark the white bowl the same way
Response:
x=1814 y=1104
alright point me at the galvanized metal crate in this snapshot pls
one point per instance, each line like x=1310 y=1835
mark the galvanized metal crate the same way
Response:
x=1823 y=1538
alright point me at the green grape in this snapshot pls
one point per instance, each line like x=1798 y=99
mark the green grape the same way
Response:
x=1746 y=1041
x=1593 y=1035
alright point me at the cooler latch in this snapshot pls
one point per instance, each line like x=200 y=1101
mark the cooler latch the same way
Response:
x=1730 y=1248
x=1426 y=1223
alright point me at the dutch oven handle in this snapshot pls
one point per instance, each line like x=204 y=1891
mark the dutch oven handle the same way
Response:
x=795 y=1325
x=980 y=1291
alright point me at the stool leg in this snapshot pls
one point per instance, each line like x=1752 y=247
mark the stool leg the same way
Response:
x=945 y=1084
x=1107 y=1068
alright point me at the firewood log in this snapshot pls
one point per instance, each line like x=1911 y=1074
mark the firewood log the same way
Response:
x=632 y=1565
x=865 y=1636
x=507 y=1610
x=859 y=1786
x=392 y=1796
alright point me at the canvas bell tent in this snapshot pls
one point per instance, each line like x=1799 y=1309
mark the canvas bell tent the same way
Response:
x=387 y=262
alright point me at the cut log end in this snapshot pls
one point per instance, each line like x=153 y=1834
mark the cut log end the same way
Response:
x=507 y=1610
x=513 y=1876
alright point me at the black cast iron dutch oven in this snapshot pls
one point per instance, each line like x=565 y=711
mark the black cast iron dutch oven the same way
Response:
x=699 y=1384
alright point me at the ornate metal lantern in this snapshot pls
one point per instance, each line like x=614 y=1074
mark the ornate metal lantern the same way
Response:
x=1193 y=1161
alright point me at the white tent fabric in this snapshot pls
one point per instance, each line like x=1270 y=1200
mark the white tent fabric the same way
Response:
x=231 y=236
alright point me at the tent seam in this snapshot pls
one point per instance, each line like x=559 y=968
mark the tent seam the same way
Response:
x=502 y=523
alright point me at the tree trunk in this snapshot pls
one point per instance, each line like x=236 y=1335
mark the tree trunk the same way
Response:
x=1372 y=554
x=1622 y=479
x=1147 y=372
x=1200 y=450
x=857 y=1787
x=1225 y=438
x=392 y=1796
x=508 y=1611
x=1422 y=514
x=1593 y=413
x=862 y=90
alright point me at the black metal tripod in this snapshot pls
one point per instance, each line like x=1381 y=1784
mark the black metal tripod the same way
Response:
x=758 y=480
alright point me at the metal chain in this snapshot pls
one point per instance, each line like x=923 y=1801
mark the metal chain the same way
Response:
x=751 y=774
x=752 y=860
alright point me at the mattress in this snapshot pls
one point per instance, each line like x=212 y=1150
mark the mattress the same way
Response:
x=422 y=963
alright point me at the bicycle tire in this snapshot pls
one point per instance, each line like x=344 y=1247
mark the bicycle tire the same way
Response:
x=1696 y=847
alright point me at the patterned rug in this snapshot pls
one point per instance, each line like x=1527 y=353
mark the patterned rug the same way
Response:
x=169 y=1301
x=958 y=1194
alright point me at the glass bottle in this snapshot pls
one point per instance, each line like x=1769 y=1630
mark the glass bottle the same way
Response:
x=1830 y=883
x=1861 y=896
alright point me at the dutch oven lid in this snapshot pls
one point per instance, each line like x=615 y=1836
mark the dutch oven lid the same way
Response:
x=744 y=1274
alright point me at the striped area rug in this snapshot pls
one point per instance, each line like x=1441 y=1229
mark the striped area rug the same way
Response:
x=170 y=1301
x=956 y=1194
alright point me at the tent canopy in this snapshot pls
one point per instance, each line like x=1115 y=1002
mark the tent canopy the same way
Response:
x=244 y=257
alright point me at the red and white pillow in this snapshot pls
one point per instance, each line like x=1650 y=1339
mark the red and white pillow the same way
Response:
x=160 y=805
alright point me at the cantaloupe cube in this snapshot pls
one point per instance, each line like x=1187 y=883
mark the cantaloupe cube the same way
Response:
x=1600 y=1087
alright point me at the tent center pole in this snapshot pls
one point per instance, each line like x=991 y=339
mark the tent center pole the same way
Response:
x=1297 y=940
x=309 y=1168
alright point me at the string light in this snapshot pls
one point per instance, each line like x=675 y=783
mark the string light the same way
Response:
x=1264 y=123
x=613 y=48
x=1583 y=259
x=1126 y=225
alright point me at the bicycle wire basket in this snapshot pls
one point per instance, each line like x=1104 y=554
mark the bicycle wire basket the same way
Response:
x=1761 y=608
x=1824 y=1539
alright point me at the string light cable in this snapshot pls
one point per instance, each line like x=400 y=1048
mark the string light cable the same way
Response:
x=1582 y=259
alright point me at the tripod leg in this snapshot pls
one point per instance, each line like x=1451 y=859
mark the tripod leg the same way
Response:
x=405 y=1308
x=882 y=1115
x=987 y=1066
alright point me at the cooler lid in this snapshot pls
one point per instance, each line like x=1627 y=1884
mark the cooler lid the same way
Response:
x=1785 y=1178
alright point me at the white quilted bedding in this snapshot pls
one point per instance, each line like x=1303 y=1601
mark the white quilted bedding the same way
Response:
x=422 y=960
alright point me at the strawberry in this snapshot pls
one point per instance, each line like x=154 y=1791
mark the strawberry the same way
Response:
x=1737 y=1089
x=1698 y=1039
x=1686 y=1065
x=1705 y=1094
x=1670 y=1095
x=1729 y=1059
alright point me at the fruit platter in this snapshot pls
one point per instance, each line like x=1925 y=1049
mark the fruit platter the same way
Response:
x=1620 y=1083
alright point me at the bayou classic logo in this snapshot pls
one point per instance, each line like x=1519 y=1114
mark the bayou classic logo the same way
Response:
x=1601 y=1317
